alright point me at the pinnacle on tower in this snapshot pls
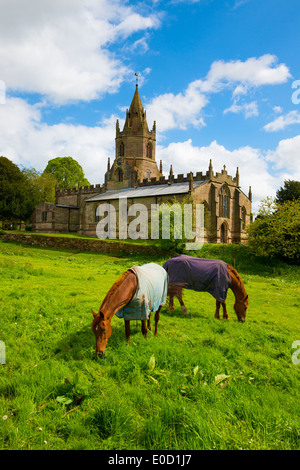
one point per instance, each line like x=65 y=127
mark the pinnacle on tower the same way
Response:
x=210 y=170
x=237 y=176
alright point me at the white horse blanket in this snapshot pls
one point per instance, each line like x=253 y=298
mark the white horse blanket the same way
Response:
x=150 y=295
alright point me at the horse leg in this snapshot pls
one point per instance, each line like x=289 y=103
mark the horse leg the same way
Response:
x=144 y=327
x=127 y=330
x=148 y=322
x=183 y=307
x=171 y=302
x=157 y=315
x=225 y=314
x=217 y=314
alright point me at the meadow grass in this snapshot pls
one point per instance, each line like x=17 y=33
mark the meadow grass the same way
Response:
x=201 y=384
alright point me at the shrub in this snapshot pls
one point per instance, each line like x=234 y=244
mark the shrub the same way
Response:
x=277 y=234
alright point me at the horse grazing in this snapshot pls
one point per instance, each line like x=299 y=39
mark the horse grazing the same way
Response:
x=138 y=292
x=210 y=275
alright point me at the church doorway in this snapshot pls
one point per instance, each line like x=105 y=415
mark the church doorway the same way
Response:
x=223 y=233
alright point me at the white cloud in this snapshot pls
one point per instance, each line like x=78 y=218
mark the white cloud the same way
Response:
x=178 y=111
x=61 y=49
x=286 y=158
x=248 y=109
x=253 y=72
x=29 y=142
x=280 y=123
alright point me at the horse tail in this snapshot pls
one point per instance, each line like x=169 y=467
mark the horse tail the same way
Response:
x=175 y=289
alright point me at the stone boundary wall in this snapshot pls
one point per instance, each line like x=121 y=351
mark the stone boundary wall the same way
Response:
x=81 y=244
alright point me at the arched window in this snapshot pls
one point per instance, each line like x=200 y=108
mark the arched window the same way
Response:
x=224 y=233
x=243 y=218
x=149 y=150
x=121 y=149
x=224 y=200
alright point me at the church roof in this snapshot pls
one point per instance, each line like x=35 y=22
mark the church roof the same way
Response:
x=144 y=191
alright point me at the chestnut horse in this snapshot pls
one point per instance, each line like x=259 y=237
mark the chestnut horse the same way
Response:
x=119 y=295
x=235 y=284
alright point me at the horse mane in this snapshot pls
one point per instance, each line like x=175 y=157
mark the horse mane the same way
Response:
x=240 y=283
x=113 y=289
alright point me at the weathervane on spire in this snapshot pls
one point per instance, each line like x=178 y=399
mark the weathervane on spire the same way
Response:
x=137 y=78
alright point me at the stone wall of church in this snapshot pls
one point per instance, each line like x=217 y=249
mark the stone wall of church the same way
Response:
x=89 y=219
x=48 y=218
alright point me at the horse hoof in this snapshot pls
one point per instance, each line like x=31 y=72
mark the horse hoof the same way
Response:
x=185 y=311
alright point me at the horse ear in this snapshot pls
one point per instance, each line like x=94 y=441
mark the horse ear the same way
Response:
x=94 y=314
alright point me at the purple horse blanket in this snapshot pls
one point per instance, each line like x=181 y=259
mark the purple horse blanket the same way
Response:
x=199 y=274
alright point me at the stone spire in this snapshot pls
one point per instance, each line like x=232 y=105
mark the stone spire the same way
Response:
x=136 y=115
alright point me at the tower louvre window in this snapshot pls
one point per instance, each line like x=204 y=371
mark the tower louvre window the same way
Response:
x=119 y=175
x=121 y=149
x=149 y=150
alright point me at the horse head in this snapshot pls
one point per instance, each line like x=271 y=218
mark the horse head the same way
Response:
x=240 y=308
x=102 y=330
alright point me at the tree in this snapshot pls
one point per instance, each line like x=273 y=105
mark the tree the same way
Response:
x=277 y=234
x=66 y=171
x=289 y=192
x=14 y=192
x=42 y=186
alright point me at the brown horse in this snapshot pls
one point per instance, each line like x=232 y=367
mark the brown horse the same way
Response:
x=119 y=295
x=236 y=285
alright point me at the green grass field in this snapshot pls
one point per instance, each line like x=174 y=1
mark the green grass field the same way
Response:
x=201 y=384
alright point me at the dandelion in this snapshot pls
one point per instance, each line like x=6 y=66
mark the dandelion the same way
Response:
x=5 y=417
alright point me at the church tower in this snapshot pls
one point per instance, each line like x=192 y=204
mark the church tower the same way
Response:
x=135 y=149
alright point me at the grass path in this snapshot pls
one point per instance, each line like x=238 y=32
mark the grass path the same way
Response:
x=202 y=384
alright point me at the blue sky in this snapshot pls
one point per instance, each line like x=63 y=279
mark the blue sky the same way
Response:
x=216 y=76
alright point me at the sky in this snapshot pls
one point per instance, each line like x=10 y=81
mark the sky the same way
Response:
x=220 y=78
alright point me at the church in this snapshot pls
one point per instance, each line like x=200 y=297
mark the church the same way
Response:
x=135 y=175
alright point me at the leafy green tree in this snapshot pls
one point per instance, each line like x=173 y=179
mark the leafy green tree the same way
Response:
x=66 y=171
x=277 y=234
x=289 y=192
x=14 y=192
x=42 y=186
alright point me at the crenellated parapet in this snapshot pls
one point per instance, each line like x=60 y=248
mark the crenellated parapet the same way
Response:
x=199 y=176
